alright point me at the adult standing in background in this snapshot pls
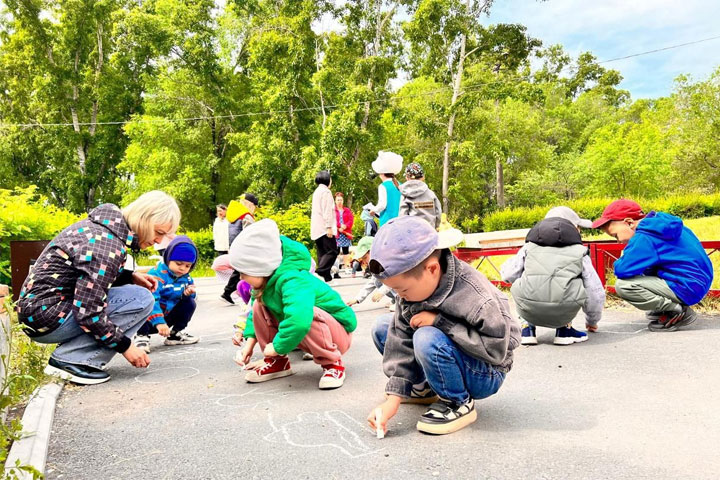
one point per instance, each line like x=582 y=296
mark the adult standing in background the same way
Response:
x=387 y=165
x=345 y=220
x=323 y=228
x=221 y=235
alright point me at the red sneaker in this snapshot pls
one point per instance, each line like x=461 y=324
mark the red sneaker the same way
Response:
x=274 y=367
x=333 y=376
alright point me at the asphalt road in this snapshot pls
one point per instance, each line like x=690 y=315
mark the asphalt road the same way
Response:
x=626 y=404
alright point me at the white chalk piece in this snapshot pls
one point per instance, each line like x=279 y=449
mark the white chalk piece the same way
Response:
x=378 y=428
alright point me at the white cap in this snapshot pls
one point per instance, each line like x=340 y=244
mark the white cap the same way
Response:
x=387 y=162
x=257 y=251
x=569 y=214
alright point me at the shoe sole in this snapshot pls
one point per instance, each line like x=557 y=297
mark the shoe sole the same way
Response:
x=252 y=378
x=331 y=386
x=56 y=372
x=569 y=341
x=450 y=427
x=227 y=302
x=528 y=341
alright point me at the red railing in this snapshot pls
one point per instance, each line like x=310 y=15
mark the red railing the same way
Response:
x=602 y=254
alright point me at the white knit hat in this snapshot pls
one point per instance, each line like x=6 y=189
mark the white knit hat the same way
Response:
x=387 y=162
x=257 y=251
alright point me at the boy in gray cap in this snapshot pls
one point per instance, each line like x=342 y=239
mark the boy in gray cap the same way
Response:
x=552 y=278
x=452 y=328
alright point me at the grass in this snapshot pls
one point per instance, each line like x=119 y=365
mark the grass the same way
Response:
x=707 y=228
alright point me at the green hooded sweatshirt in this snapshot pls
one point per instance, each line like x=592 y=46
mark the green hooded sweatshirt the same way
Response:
x=290 y=295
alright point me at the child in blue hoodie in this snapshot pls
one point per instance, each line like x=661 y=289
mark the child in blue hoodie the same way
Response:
x=663 y=269
x=174 y=297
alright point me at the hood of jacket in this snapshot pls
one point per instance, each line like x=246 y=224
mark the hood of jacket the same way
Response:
x=295 y=258
x=174 y=243
x=413 y=188
x=554 y=232
x=110 y=217
x=661 y=225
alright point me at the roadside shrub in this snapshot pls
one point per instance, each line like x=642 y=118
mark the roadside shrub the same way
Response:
x=26 y=215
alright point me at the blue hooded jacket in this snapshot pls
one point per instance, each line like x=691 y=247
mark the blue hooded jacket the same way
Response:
x=663 y=247
x=170 y=288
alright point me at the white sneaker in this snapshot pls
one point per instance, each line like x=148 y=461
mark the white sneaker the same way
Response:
x=333 y=377
x=181 y=338
x=143 y=342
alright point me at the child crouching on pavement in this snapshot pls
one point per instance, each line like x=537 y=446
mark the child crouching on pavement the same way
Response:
x=663 y=269
x=174 y=297
x=553 y=277
x=452 y=330
x=290 y=307
x=362 y=255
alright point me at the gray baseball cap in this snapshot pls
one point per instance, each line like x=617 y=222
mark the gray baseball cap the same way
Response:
x=404 y=242
x=569 y=214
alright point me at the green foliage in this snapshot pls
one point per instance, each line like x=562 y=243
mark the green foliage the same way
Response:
x=293 y=222
x=24 y=363
x=203 y=240
x=27 y=215
x=683 y=206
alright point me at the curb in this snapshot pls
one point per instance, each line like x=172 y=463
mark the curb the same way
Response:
x=31 y=449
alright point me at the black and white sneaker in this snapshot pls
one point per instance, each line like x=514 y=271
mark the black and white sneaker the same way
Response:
x=227 y=299
x=447 y=417
x=80 y=374
x=180 y=338
x=420 y=395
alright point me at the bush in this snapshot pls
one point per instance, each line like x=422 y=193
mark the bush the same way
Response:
x=684 y=206
x=26 y=215
x=294 y=222
x=204 y=242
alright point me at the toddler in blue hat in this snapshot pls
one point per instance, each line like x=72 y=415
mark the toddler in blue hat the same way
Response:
x=452 y=337
x=174 y=297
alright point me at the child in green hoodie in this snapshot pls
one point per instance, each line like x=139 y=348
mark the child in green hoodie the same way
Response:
x=291 y=308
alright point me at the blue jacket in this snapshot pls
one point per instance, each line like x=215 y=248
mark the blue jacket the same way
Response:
x=663 y=247
x=169 y=292
x=170 y=288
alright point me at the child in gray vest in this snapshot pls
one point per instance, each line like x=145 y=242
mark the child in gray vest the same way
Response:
x=416 y=197
x=553 y=278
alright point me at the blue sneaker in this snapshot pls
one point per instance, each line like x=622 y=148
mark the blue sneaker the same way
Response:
x=568 y=336
x=528 y=335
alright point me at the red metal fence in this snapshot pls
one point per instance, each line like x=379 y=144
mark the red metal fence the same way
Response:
x=602 y=253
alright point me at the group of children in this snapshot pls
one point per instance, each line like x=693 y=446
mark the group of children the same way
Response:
x=452 y=337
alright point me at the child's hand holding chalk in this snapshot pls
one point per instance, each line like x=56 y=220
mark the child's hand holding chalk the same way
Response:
x=380 y=415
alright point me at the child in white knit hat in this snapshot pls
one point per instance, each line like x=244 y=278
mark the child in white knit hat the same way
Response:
x=291 y=308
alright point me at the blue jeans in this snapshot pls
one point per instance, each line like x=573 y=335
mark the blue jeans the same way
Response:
x=128 y=308
x=450 y=372
x=177 y=318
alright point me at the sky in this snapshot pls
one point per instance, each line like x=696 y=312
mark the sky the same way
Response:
x=616 y=28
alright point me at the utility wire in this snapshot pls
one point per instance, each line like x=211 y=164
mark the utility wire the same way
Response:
x=472 y=87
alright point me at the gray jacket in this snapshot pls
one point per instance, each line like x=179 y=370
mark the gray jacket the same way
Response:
x=553 y=277
x=418 y=199
x=471 y=312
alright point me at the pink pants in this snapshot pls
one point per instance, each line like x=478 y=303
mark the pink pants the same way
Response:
x=326 y=341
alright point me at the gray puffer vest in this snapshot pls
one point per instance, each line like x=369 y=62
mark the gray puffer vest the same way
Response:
x=550 y=291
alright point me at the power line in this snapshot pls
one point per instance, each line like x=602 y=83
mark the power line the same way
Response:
x=330 y=107
x=660 y=49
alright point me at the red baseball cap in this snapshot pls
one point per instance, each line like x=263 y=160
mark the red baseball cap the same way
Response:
x=619 y=210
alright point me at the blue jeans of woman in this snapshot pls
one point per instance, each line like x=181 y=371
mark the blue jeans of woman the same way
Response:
x=451 y=373
x=128 y=308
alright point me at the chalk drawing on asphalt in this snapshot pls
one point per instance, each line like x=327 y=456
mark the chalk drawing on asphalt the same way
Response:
x=251 y=399
x=167 y=375
x=334 y=429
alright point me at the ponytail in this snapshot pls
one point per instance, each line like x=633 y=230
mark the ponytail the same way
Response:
x=391 y=176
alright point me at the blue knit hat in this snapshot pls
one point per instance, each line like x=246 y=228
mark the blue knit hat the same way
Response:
x=181 y=249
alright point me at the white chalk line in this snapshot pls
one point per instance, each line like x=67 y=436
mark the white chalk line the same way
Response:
x=353 y=442
x=150 y=372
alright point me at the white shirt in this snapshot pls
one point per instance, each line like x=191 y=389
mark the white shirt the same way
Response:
x=221 y=237
x=323 y=213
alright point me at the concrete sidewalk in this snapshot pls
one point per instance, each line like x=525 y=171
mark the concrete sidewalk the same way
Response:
x=626 y=404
